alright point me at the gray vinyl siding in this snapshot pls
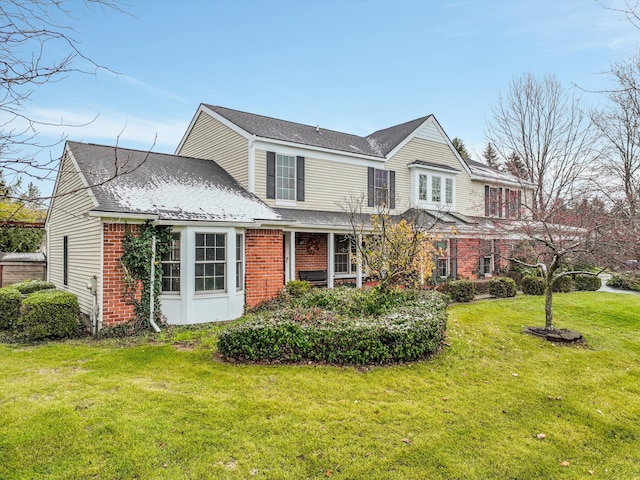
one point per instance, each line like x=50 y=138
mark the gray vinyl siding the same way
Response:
x=68 y=217
x=467 y=197
x=213 y=140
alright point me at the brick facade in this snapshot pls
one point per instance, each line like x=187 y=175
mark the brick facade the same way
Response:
x=311 y=251
x=264 y=269
x=115 y=310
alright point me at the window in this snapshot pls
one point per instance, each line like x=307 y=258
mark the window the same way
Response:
x=436 y=195
x=285 y=177
x=210 y=265
x=65 y=260
x=381 y=187
x=485 y=265
x=239 y=261
x=442 y=259
x=492 y=201
x=513 y=203
x=422 y=188
x=171 y=266
x=448 y=191
x=345 y=255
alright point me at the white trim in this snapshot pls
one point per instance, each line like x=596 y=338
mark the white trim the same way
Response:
x=317 y=153
x=330 y=259
x=251 y=165
x=448 y=171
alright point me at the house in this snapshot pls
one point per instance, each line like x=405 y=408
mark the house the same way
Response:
x=255 y=201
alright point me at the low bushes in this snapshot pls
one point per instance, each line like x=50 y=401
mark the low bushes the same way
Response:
x=461 y=291
x=49 y=314
x=10 y=301
x=502 y=287
x=532 y=285
x=563 y=284
x=587 y=283
x=624 y=281
x=31 y=286
x=322 y=327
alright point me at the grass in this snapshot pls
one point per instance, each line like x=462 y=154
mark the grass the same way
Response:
x=165 y=407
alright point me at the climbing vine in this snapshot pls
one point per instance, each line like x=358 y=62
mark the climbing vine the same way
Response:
x=136 y=263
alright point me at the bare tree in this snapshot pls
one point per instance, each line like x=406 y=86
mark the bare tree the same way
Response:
x=546 y=128
x=36 y=48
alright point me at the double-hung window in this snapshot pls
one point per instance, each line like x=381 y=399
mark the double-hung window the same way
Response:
x=381 y=186
x=345 y=255
x=434 y=190
x=285 y=177
x=210 y=266
x=170 y=262
x=239 y=261
x=492 y=201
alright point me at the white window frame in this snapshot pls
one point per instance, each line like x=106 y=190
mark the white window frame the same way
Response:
x=422 y=191
x=291 y=196
x=351 y=258
x=239 y=262
x=174 y=258
x=206 y=262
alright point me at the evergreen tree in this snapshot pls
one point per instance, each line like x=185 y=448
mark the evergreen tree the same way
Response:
x=515 y=166
x=491 y=156
x=459 y=146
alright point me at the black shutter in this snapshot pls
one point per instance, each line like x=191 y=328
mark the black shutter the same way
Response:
x=487 y=200
x=300 y=179
x=370 y=189
x=392 y=189
x=508 y=207
x=271 y=174
x=500 y=202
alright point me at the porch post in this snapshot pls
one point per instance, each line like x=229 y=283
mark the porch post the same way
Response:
x=359 y=262
x=292 y=256
x=330 y=255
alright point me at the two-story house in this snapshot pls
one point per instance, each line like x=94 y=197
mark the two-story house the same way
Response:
x=255 y=201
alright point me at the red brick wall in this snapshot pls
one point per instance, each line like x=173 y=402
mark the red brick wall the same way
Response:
x=306 y=257
x=468 y=258
x=264 y=270
x=114 y=308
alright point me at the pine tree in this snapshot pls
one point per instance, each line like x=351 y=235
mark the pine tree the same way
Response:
x=515 y=166
x=491 y=156
x=459 y=146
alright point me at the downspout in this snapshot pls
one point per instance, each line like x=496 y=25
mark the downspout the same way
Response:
x=152 y=279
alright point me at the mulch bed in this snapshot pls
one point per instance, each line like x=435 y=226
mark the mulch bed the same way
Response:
x=561 y=335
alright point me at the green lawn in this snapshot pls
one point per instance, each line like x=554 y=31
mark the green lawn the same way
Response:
x=136 y=409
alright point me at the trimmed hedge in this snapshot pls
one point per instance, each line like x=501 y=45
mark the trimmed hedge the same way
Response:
x=502 y=287
x=10 y=302
x=297 y=288
x=624 y=281
x=461 y=291
x=49 y=314
x=532 y=285
x=30 y=286
x=563 y=284
x=588 y=283
x=406 y=333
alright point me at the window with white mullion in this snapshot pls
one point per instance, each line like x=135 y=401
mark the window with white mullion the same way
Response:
x=436 y=193
x=423 y=185
x=210 y=265
x=448 y=191
x=170 y=263
x=285 y=177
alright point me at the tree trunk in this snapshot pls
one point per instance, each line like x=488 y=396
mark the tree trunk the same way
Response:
x=548 y=305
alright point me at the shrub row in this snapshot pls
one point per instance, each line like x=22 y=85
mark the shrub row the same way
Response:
x=466 y=290
x=533 y=285
x=322 y=333
x=43 y=314
x=624 y=281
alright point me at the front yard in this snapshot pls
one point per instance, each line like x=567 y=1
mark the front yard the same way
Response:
x=493 y=404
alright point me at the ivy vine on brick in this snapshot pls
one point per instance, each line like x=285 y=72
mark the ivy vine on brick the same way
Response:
x=135 y=261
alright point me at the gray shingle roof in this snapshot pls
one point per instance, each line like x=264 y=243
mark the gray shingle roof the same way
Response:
x=172 y=187
x=435 y=165
x=378 y=144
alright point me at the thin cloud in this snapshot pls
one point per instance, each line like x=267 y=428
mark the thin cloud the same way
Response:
x=148 y=87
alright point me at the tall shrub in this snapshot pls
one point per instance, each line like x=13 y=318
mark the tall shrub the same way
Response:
x=50 y=314
x=10 y=301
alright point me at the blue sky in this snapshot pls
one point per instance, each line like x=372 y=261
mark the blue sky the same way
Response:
x=351 y=65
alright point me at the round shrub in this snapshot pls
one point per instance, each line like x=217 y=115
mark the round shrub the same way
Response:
x=502 y=287
x=50 y=314
x=588 y=283
x=10 y=301
x=297 y=288
x=532 y=285
x=563 y=284
x=461 y=291
x=620 y=280
x=406 y=333
x=30 y=286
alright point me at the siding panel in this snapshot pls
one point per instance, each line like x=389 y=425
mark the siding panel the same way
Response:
x=69 y=217
x=213 y=140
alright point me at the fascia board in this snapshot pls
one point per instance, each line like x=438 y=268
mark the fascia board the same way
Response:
x=320 y=153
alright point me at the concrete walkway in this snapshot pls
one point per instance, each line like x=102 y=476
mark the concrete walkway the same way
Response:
x=604 y=277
